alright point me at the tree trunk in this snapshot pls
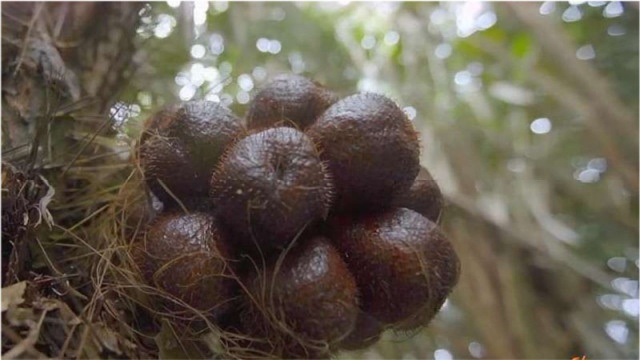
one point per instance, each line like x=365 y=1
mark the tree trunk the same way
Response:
x=63 y=66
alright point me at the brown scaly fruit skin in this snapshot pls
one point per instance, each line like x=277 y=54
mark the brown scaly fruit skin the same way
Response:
x=312 y=294
x=158 y=123
x=288 y=100
x=185 y=255
x=403 y=264
x=366 y=333
x=371 y=148
x=269 y=185
x=424 y=196
x=166 y=164
x=182 y=144
x=206 y=129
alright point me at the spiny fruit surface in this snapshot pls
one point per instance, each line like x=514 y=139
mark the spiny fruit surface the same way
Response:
x=424 y=196
x=288 y=100
x=186 y=256
x=271 y=184
x=371 y=148
x=196 y=134
x=304 y=301
x=402 y=263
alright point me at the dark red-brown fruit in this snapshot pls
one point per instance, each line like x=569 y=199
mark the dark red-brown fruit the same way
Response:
x=198 y=132
x=288 y=100
x=366 y=333
x=158 y=123
x=206 y=129
x=424 y=196
x=168 y=171
x=304 y=303
x=371 y=148
x=270 y=185
x=419 y=320
x=186 y=256
x=402 y=263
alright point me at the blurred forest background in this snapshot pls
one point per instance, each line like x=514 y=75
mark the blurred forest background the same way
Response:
x=529 y=122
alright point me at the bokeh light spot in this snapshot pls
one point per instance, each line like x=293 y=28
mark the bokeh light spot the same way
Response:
x=617 y=330
x=297 y=62
x=613 y=9
x=242 y=97
x=443 y=51
x=368 y=42
x=198 y=51
x=463 y=78
x=618 y=263
x=631 y=307
x=200 y=12
x=610 y=301
x=411 y=112
x=165 y=26
x=391 y=38
x=263 y=45
x=626 y=286
x=259 y=73
x=476 y=349
x=599 y=164
x=442 y=354
x=587 y=176
x=245 y=82
x=586 y=52
x=216 y=44
x=174 y=3
x=486 y=20
x=616 y=30
x=572 y=14
x=547 y=7
x=220 y=6
x=274 y=46
x=540 y=126
x=187 y=92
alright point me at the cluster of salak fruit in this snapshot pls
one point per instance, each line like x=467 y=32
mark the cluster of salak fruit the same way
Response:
x=307 y=227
